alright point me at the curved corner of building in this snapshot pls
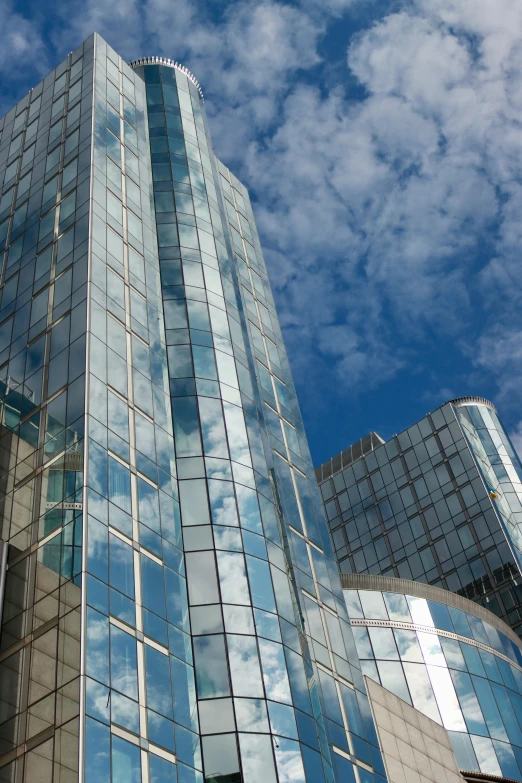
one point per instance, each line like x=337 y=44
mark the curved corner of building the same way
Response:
x=454 y=662
x=167 y=62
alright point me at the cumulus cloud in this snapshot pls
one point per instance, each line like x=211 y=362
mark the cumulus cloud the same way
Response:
x=499 y=352
x=516 y=437
x=398 y=215
x=387 y=187
x=246 y=59
x=119 y=22
x=23 y=50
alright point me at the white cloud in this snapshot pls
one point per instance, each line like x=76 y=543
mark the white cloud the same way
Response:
x=246 y=61
x=23 y=51
x=516 y=437
x=118 y=22
x=21 y=37
x=397 y=215
x=386 y=217
x=499 y=352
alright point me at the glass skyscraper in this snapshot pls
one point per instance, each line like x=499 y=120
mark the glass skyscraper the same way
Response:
x=439 y=503
x=171 y=608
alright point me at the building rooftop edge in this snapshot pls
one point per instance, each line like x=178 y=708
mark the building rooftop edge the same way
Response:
x=346 y=457
x=170 y=64
x=485 y=777
x=392 y=584
x=458 y=402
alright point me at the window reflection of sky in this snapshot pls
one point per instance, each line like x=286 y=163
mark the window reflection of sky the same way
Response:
x=474 y=693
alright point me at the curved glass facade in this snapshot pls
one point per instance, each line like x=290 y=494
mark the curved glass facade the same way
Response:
x=173 y=610
x=439 y=503
x=274 y=686
x=499 y=464
x=451 y=665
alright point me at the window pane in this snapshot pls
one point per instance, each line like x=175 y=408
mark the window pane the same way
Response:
x=220 y=757
x=201 y=578
x=161 y=770
x=126 y=761
x=121 y=566
x=119 y=485
x=244 y=666
x=194 y=503
x=124 y=676
x=157 y=670
x=153 y=586
x=257 y=758
x=232 y=578
x=211 y=666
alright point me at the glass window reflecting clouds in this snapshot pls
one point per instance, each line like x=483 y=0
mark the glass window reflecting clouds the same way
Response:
x=126 y=761
x=251 y=715
x=274 y=671
x=446 y=698
x=474 y=693
x=373 y=605
x=393 y=679
x=244 y=667
x=124 y=667
x=232 y=578
x=289 y=762
x=397 y=607
x=211 y=668
x=257 y=758
x=431 y=648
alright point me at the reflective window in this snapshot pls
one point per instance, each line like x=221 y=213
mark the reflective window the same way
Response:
x=126 y=761
x=232 y=578
x=124 y=667
x=211 y=668
x=397 y=606
x=373 y=605
x=220 y=758
x=274 y=671
x=421 y=691
x=257 y=758
x=244 y=667
x=383 y=642
x=419 y=610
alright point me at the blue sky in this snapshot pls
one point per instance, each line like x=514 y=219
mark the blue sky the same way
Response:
x=382 y=145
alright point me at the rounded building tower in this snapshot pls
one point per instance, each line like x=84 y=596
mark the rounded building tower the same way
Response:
x=278 y=691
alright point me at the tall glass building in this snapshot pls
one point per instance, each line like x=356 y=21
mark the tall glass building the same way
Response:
x=440 y=503
x=170 y=604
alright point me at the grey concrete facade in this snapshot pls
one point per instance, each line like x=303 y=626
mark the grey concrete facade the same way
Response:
x=415 y=749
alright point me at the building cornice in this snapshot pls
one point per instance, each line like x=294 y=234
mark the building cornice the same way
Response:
x=462 y=402
x=392 y=584
x=170 y=64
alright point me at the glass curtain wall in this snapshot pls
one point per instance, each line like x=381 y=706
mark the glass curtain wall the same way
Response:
x=437 y=503
x=45 y=154
x=172 y=608
x=499 y=465
x=274 y=684
x=451 y=665
x=140 y=712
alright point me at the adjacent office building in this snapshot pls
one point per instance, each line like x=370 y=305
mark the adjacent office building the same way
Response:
x=439 y=503
x=438 y=506
x=171 y=608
